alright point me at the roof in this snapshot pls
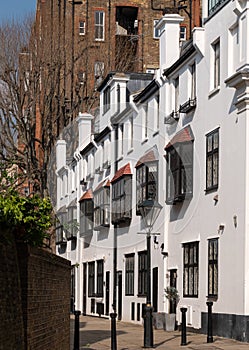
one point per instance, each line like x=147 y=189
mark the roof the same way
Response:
x=150 y=156
x=185 y=54
x=87 y=195
x=102 y=134
x=184 y=135
x=105 y=183
x=148 y=91
x=125 y=170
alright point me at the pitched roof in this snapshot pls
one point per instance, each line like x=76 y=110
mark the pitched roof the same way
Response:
x=125 y=170
x=87 y=195
x=150 y=156
x=184 y=135
x=105 y=183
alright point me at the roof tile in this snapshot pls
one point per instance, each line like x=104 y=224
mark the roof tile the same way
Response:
x=184 y=135
x=125 y=170
x=87 y=195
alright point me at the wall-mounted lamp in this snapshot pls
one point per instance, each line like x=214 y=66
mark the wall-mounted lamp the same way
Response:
x=235 y=221
x=162 y=250
x=221 y=229
x=156 y=243
x=216 y=198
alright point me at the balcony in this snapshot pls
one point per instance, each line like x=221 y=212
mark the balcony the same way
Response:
x=188 y=106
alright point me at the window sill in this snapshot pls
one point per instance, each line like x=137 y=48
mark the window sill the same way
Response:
x=120 y=158
x=141 y=295
x=211 y=189
x=214 y=92
x=144 y=141
x=156 y=133
x=130 y=151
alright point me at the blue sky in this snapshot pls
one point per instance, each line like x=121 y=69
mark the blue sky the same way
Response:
x=16 y=9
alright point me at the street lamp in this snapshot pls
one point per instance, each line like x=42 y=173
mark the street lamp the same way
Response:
x=150 y=209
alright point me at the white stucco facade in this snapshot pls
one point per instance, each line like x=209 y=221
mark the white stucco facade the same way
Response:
x=189 y=125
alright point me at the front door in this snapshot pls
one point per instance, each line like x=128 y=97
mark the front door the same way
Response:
x=155 y=289
x=84 y=288
x=173 y=283
x=107 y=292
x=119 y=278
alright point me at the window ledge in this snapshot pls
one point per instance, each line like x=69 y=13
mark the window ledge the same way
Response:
x=120 y=158
x=214 y=92
x=130 y=150
x=156 y=133
x=211 y=189
x=144 y=141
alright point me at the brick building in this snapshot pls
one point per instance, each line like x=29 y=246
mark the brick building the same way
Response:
x=84 y=40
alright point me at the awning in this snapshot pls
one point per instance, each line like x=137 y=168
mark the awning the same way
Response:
x=87 y=195
x=125 y=170
x=184 y=135
x=105 y=183
x=150 y=156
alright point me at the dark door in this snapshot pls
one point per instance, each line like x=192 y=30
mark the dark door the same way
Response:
x=173 y=283
x=72 y=306
x=84 y=288
x=119 y=273
x=155 y=289
x=107 y=292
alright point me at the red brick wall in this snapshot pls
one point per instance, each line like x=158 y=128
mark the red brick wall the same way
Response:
x=45 y=280
x=11 y=322
x=35 y=299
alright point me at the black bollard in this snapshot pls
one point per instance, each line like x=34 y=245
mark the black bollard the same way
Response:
x=77 y=331
x=184 y=334
x=209 y=324
x=113 y=316
x=148 y=327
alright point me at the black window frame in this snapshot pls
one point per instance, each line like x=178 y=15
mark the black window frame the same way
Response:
x=191 y=269
x=102 y=207
x=129 y=274
x=145 y=180
x=107 y=99
x=179 y=183
x=100 y=278
x=91 y=278
x=213 y=265
x=86 y=217
x=212 y=154
x=142 y=273
x=122 y=199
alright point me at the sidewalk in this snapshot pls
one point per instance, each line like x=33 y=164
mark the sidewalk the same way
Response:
x=95 y=335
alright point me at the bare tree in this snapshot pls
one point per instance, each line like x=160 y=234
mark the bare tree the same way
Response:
x=31 y=109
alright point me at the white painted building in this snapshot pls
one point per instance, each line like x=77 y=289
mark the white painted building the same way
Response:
x=182 y=137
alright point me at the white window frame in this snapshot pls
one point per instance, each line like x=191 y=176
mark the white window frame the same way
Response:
x=82 y=27
x=98 y=25
x=183 y=33
x=156 y=32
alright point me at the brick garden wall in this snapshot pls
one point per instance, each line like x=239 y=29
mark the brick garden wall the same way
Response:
x=11 y=321
x=34 y=298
